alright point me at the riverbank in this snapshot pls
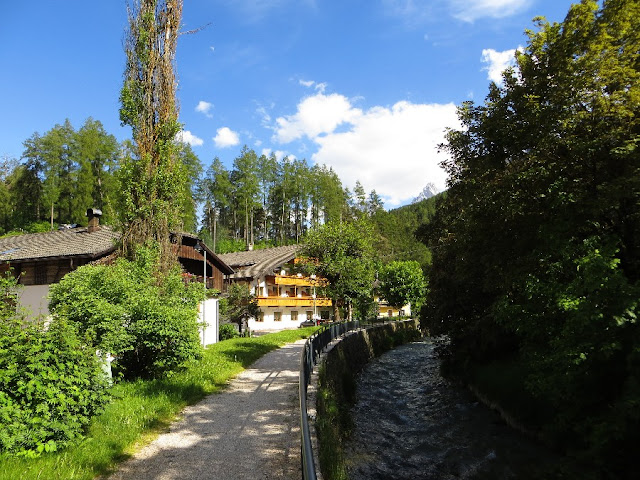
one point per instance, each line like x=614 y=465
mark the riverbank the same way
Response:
x=501 y=386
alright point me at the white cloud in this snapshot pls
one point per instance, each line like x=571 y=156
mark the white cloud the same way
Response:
x=225 y=137
x=413 y=12
x=279 y=154
x=471 y=10
x=186 y=136
x=392 y=150
x=204 y=107
x=306 y=83
x=264 y=115
x=497 y=62
x=318 y=114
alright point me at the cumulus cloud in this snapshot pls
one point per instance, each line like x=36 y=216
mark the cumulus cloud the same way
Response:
x=225 y=137
x=472 y=10
x=186 y=136
x=204 y=107
x=497 y=62
x=318 y=114
x=393 y=150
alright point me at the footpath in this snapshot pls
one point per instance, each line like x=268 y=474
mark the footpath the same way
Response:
x=249 y=431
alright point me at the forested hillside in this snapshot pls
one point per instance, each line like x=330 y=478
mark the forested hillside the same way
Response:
x=398 y=230
x=536 y=256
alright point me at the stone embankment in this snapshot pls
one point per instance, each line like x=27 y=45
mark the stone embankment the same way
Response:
x=336 y=387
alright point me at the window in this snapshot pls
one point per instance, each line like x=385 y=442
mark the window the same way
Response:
x=277 y=316
x=310 y=315
x=260 y=317
x=294 y=315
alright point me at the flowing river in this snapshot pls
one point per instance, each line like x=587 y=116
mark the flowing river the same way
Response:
x=410 y=423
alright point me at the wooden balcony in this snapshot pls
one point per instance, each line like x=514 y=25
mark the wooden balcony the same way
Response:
x=294 y=280
x=300 y=302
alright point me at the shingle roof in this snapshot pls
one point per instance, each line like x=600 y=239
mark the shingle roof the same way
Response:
x=255 y=263
x=72 y=242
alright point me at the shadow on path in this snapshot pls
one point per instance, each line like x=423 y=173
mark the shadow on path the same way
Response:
x=249 y=431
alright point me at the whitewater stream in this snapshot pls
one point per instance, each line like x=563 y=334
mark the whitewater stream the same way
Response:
x=410 y=423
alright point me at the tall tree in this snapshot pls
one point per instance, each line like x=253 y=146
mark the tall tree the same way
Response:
x=343 y=254
x=217 y=192
x=536 y=252
x=7 y=167
x=267 y=170
x=192 y=188
x=97 y=155
x=153 y=177
x=58 y=186
x=247 y=187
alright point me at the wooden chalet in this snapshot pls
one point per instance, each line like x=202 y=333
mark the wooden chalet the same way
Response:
x=286 y=299
x=41 y=259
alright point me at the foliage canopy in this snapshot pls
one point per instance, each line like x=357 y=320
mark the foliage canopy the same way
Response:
x=402 y=283
x=535 y=247
x=342 y=252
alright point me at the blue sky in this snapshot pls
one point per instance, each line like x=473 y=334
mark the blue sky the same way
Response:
x=364 y=86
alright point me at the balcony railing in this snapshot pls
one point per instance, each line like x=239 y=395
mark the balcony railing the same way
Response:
x=293 y=302
x=294 y=280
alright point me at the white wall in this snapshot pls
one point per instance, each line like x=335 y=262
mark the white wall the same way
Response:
x=35 y=300
x=269 y=322
x=209 y=314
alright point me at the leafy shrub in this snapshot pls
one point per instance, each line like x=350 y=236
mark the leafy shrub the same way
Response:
x=227 y=331
x=50 y=386
x=149 y=324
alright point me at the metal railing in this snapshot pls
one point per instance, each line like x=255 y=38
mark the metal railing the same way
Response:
x=312 y=349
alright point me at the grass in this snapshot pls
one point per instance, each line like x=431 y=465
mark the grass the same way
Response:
x=140 y=410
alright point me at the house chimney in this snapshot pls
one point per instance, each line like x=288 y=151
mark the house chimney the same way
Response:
x=94 y=219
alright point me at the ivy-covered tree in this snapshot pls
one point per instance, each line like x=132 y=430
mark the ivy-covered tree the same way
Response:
x=152 y=176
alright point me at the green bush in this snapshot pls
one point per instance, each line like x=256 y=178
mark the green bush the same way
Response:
x=227 y=331
x=149 y=324
x=50 y=386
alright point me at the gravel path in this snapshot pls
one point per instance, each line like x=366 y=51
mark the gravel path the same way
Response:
x=249 y=431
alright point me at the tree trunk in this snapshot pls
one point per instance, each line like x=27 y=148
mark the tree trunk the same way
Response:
x=336 y=310
x=215 y=224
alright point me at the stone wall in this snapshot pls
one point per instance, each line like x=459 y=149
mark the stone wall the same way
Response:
x=336 y=390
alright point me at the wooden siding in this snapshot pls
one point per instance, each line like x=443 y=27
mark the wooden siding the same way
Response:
x=45 y=272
